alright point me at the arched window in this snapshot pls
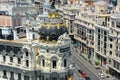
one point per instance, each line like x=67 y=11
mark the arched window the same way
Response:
x=26 y=53
x=54 y=60
x=43 y=62
x=54 y=64
x=110 y=52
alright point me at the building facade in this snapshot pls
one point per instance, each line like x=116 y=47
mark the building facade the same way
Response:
x=44 y=54
x=96 y=30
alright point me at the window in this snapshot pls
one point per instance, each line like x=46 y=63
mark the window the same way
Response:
x=98 y=35
x=42 y=77
x=4 y=73
x=105 y=38
x=47 y=50
x=90 y=31
x=33 y=36
x=65 y=49
x=27 y=63
x=113 y=24
x=19 y=61
x=110 y=45
x=117 y=55
x=105 y=33
x=111 y=39
x=12 y=74
x=108 y=19
x=4 y=58
x=110 y=52
x=105 y=45
x=11 y=59
x=71 y=31
x=98 y=30
x=27 y=53
x=98 y=48
x=105 y=51
x=43 y=63
x=19 y=76
x=54 y=63
x=65 y=62
x=98 y=42
x=101 y=10
x=26 y=78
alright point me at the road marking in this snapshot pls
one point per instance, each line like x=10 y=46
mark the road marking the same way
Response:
x=87 y=67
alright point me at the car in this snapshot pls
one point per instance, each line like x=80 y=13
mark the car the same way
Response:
x=87 y=78
x=101 y=75
x=80 y=79
x=84 y=74
x=80 y=71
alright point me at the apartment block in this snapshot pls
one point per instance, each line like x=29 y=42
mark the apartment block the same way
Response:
x=96 y=30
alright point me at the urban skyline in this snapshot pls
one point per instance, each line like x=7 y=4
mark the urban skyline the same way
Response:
x=59 y=40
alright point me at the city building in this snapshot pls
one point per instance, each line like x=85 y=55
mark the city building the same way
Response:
x=44 y=54
x=114 y=57
x=7 y=23
x=95 y=27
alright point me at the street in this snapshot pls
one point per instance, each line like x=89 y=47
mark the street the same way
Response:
x=82 y=64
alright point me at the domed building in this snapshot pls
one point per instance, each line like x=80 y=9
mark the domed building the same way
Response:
x=51 y=50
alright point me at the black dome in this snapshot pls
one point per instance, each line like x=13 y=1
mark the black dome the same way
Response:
x=52 y=33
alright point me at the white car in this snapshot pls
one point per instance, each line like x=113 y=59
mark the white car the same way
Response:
x=101 y=75
x=80 y=79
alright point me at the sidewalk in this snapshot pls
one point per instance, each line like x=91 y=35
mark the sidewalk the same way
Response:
x=85 y=57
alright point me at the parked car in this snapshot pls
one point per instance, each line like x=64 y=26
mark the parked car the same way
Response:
x=80 y=79
x=84 y=74
x=101 y=75
x=87 y=78
x=80 y=71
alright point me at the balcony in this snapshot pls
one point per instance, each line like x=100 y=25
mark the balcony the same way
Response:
x=114 y=68
x=62 y=69
x=82 y=24
x=71 y=13
x=112 y=35
x=45 y=70
x=10 y=63
x=54 y=70
x=65 y=12
x=80 y=38
x=71 y=18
